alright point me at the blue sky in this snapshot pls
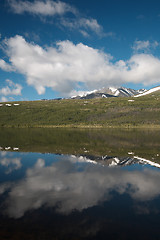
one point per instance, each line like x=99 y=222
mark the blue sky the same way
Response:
x=55 y=49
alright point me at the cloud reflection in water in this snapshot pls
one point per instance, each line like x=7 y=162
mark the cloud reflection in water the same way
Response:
x=11 y=164
x=69 y=184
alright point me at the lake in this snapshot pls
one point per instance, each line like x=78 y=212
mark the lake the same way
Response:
x=79 y=184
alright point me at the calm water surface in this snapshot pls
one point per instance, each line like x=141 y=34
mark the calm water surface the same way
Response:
x=70 y=184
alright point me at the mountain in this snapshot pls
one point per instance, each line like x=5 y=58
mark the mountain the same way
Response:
x=121 y=161
x=152 y=90
x=111 y=92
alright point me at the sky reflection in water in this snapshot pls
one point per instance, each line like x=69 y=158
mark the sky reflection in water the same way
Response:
x=68 y=183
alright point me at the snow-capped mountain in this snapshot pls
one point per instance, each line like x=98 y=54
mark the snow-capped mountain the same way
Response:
x=152 y=90
x=121 y=161
x=110 y=92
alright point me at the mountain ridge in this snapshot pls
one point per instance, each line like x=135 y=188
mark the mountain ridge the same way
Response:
x=110 y=92
x=113 y=161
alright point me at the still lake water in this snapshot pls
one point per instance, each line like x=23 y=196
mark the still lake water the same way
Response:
x=79 y=184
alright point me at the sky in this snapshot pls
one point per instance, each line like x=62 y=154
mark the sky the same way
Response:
x=51 y=49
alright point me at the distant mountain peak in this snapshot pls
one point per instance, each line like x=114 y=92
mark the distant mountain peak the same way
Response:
x=152 y=90
x=110 y=92
x=113 y=161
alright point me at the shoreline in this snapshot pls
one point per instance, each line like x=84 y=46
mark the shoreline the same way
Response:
x=146 y=126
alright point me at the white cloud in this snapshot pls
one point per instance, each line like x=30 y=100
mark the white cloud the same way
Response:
x=11 y=89
x=5 y=66
x=84 y=33
x=67 y=66
x=90 y=24
x=141 y=45
x=51 y=8
x=4 y=99
x=83 y=25
x=41 y=8
x=144 y=45
x=155 y=44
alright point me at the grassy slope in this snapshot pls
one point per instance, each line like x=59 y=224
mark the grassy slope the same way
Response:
x=116 y=112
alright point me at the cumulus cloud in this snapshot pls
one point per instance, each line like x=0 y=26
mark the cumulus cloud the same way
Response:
x=62 y=185
x=144 y=45
x=40 y=7
x=66 y=66
x=11 y=89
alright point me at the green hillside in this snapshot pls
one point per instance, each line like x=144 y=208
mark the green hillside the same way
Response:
x=104 y=112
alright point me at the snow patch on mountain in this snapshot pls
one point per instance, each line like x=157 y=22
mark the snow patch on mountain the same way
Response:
x=148 y=92
x=148 y=161
x=113 y=90
x=104 y=96
x=117 y=93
